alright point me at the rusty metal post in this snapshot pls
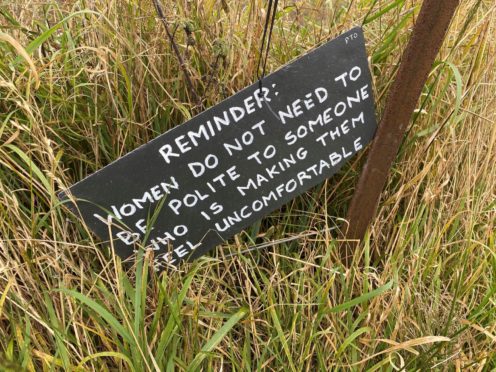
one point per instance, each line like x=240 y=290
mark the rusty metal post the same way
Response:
x=418 y=58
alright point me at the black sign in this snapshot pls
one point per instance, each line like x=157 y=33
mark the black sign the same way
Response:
x=187 y=190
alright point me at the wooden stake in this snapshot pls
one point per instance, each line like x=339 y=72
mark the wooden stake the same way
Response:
x=175 y=48
x=423 y=47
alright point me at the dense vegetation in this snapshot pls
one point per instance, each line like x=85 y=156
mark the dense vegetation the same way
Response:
x=84 y=82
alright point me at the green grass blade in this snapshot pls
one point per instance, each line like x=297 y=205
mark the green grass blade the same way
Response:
x=217 y=338
x=363 y=298
x=31 y=166
x=103 y=313
x=102 y=354
x=380 y=13
x=351 y=338
x=281 y=336
x=33 y=45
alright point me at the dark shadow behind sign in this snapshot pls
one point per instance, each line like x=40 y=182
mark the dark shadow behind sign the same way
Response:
x=187 y=190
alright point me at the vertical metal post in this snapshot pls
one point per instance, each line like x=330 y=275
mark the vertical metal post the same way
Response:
x=427 y=37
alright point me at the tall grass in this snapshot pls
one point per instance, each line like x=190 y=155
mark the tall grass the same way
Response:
x=84 y=82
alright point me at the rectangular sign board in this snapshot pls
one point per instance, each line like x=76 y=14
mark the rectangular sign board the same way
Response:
x=198 y=184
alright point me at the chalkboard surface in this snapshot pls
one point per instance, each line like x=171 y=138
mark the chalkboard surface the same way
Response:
x=187 y=190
